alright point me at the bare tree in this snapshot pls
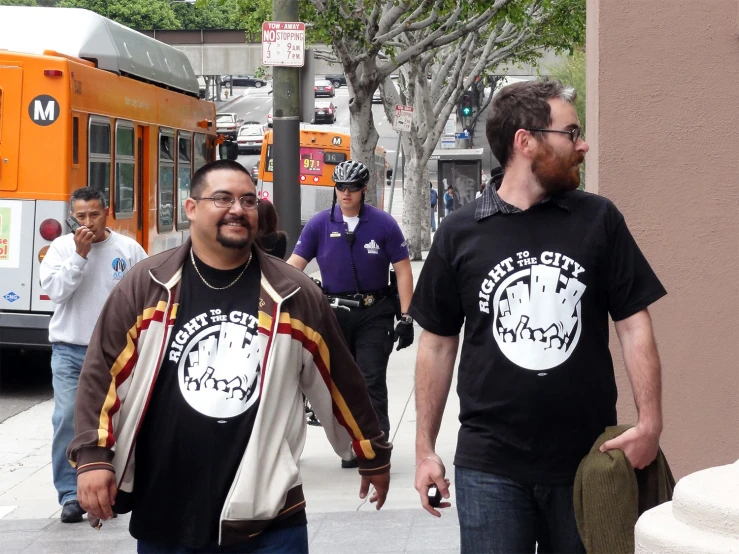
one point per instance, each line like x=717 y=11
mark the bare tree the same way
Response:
x=454 y=69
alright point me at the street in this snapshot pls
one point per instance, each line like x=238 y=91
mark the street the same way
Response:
x=254 y=105
x=25 y=380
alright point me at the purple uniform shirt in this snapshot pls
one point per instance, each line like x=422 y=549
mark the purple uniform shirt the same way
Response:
x=378 y=243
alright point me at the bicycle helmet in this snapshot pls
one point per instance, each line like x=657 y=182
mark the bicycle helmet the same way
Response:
x=350 y=172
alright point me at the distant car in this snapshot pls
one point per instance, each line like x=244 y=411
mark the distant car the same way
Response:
x=270 y=117
x=241 y=81
x=338 y=80
x=377 y=97
x=228 y=124
x=251 y=136
x=324 y=88
x=325 y=112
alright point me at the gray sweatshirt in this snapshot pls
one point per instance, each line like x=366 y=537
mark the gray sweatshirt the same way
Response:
x=81 y=286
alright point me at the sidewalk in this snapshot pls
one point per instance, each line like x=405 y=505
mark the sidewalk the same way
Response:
x=338 y=521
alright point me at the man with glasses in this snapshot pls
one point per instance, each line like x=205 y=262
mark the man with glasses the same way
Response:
x=190 y=411
x=355 y=246
x=536 y=267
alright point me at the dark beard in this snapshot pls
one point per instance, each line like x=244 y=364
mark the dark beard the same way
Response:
x=556 y=173
x=236 y=244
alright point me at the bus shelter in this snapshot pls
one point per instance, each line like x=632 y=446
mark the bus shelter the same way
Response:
x=461 y=169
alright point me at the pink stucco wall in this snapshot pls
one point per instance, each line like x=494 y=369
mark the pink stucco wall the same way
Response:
x=663 y=126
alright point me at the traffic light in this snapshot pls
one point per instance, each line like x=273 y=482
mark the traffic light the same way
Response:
x=465 y=106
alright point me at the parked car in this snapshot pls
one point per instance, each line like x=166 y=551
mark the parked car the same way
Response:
x=377 y=97
x=323 y=88
x=269 y=118
x=251 y=136
x=227 y=124
x=325 y=112
x=338 y=80
x=244 y=81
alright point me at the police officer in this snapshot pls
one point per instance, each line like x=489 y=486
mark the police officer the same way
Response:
x=354 y=246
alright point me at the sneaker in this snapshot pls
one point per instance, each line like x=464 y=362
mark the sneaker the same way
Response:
x=72 y=512
x=348 y=464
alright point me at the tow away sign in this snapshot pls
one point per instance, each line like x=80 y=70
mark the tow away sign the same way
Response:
x=283 y=44
x=403 y=118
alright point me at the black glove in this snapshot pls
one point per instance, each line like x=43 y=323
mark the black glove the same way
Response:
x=403 y=334
x=316 y=281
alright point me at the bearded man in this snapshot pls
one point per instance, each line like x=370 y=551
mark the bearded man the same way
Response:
x=532 y=269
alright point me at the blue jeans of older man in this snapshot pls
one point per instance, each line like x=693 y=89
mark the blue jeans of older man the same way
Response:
x=502 y=515
x=66 y=363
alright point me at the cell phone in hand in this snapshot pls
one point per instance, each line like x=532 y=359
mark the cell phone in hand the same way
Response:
x=72 y=223
x=434 y=496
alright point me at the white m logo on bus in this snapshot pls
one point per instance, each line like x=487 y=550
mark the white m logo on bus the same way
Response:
x=43 y=110
x=42 y=114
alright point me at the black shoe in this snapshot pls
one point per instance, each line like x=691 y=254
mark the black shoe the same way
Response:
x=350 y=464
x=72 y=512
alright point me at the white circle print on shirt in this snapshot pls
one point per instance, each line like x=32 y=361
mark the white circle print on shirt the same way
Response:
x=219 y=368
x=537 y=316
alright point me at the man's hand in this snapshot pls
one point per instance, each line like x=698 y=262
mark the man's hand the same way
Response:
x=96 y=491
x=381 y=482
x=430 y=470
x=83 y=239
x=403 y=334
x=639 y=445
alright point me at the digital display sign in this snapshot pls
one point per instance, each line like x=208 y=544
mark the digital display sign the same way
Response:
x=334 y=157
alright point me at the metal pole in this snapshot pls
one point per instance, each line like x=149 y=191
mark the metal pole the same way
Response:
x=395 y=172
x=286 y=127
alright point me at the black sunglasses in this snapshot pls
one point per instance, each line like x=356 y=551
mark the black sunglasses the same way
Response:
x=353 y=187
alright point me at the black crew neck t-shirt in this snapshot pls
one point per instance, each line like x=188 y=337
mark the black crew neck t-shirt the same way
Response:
x=202 y=410
x=533 y=290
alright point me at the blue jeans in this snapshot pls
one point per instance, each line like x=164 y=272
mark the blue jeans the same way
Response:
x=292 y=540
x=501 y=515
x=66 y=363
x=433 y=218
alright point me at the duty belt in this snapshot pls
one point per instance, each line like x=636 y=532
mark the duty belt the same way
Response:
x=366 y=300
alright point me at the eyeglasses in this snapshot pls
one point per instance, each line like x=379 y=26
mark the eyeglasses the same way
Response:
x=353 y=187
x=575 y=133
x=248 y=201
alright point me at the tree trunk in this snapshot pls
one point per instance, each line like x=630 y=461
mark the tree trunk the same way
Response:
x=416 y=207
x=364 y=138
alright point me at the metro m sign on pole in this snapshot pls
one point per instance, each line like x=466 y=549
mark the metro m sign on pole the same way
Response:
x=283 y=44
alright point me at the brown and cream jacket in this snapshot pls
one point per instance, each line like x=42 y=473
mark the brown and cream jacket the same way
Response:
x=304 y=351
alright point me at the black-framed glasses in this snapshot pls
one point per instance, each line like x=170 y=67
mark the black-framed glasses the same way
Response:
x=575 y=133
x=248 y=201
x=353 y=187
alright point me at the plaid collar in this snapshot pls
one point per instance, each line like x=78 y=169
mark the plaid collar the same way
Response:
x=490 y=202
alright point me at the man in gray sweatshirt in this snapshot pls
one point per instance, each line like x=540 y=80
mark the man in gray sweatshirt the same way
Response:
x=78 y=273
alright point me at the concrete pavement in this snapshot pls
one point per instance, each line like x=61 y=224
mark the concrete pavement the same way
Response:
x=339 y=522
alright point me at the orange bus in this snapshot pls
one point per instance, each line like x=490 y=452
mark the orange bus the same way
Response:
x=320 y=151
x=85 y=101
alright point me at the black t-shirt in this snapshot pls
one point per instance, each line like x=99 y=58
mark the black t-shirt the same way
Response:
x=534 y=290
x=202 y=409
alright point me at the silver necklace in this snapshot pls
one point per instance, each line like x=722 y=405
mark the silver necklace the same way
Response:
x=207 y=284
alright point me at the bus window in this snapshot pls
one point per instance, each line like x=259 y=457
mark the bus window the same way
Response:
x=75 y=140
x=124 y=170
x=165 y=219
x=200 y=156
x=99 y=156
x=184 y=176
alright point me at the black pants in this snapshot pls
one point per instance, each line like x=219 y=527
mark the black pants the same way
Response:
x=369 y=333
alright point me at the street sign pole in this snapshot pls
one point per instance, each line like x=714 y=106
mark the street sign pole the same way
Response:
x=280 y=51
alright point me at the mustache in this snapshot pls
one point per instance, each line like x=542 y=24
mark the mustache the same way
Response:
x=240 y=220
